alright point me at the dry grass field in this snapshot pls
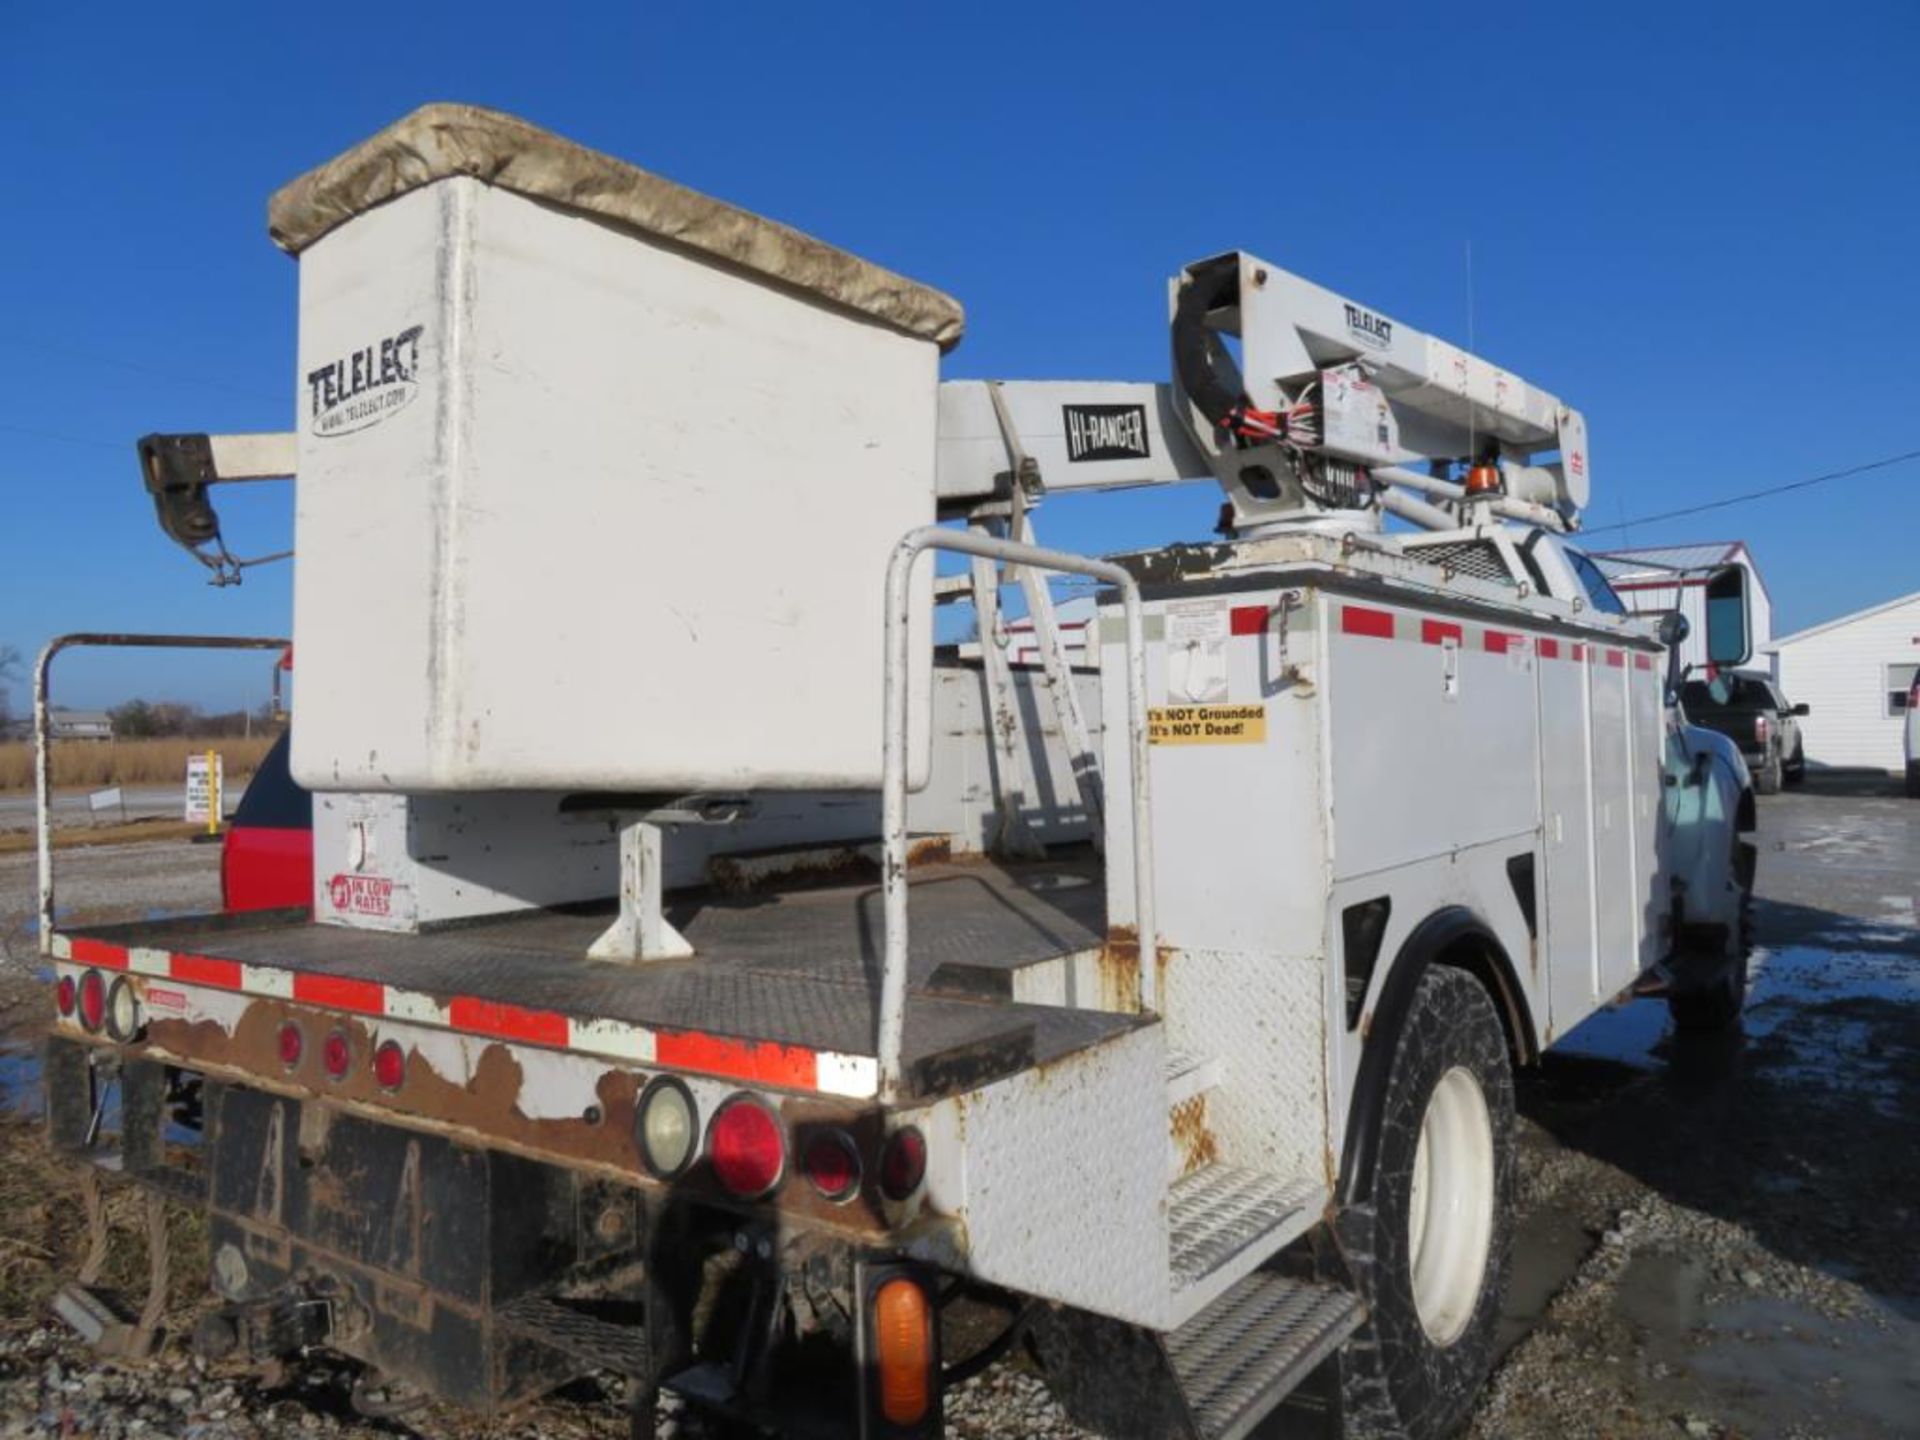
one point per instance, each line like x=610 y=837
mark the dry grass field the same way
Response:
x=94 y=763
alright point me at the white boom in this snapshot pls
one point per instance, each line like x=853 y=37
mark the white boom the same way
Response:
x=1334 y=402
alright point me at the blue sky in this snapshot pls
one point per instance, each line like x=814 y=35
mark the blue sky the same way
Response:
x=1700 y=223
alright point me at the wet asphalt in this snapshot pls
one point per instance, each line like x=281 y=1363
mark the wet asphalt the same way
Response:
x=1786 y=1152
x=1804 y=1122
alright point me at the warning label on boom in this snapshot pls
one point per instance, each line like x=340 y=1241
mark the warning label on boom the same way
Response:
x=1207 y=724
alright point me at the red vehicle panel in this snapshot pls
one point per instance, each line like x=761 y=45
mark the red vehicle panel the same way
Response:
x=266 y=862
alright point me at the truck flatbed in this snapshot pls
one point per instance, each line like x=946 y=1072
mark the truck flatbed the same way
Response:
x=795 y=968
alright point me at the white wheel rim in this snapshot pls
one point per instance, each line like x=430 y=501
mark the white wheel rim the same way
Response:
x=1450 y=1208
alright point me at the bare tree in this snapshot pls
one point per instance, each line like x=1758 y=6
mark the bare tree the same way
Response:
x=11 y=673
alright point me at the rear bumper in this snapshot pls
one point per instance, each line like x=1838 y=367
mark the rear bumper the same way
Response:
x=480 y=1276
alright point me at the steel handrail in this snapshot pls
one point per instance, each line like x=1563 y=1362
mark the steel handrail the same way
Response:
x=893 y=877
x=43 y=731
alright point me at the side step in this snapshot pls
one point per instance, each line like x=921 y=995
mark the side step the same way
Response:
x=1223 y=1221
x=1245 y=1353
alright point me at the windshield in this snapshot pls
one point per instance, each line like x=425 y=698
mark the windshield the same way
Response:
x=1599 y=593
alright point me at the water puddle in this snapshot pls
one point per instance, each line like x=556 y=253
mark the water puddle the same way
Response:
x=21 y=1091
x=1549 y=1246
x=1820 y=1015
x=1782 y=1363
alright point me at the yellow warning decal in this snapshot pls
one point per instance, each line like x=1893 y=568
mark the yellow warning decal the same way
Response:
x=1207 y=724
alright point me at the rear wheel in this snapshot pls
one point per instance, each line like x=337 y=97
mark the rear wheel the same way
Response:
x=1797 y=767
x=1428 y=1244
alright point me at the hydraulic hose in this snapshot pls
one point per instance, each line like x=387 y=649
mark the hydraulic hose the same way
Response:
x=1205 y=370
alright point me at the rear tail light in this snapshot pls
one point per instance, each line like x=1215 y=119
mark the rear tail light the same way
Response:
x=93 y=1001
x=669 y=1127
x=832 y=1164
x=123 y=1010
x=66 y=995
x=292 y=1045
x=390 y=1065
x=746 y=1148
x=904 y=1357
x=336 y=1055
x=904 y=1165
x=1761 y=729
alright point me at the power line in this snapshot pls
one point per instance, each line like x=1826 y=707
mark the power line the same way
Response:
x=1880 y=464
x=67 y=351
x=63 y=438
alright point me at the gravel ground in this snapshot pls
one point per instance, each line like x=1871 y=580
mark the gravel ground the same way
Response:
x=1714 y=1240
x=104 y=883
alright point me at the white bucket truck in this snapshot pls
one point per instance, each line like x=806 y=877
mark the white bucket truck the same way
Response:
x=1180 y=1016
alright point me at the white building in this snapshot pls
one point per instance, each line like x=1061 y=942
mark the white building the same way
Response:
x=1674 y=577
x=1854 y=673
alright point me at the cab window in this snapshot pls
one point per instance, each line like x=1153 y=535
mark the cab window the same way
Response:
x=1599 y=593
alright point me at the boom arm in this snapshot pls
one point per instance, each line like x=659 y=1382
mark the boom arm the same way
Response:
x=1336 y=407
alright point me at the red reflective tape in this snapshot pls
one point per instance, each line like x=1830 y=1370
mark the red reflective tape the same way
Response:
x=1500 y=641
x=1358 y=620
x=1549 y=649
x=508 y=1022
x=1615 y=660
x=1247 y=619
x=205 y=970
x=1436 y=632
x=1580 y=653
x=367 y=997
x=98 y=954
x=1643 y=662
x=756 y=1060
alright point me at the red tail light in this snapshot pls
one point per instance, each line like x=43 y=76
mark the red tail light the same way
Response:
x=390 y=1065
x=65 y=995
x=292 y=1045
x=93 y=1000
x=1761 y=729
x=904 y=1165
x=336 y=1055
x=746 y=1148
x=832 y=1164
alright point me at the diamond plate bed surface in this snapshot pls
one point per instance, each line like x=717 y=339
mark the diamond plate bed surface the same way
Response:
x=801 y=967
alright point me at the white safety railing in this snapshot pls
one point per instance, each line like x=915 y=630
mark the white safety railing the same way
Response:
x=893 y=979
x=43 y=731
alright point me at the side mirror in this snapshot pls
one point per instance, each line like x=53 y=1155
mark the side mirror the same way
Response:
x=1674 y=629
x=1729 y=618
x=1803 y=709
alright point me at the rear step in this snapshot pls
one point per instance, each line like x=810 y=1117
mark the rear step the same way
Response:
x=604 y=1345
x=1245 y=1353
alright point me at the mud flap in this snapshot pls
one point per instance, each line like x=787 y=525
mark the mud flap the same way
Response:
x=437 y=1259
